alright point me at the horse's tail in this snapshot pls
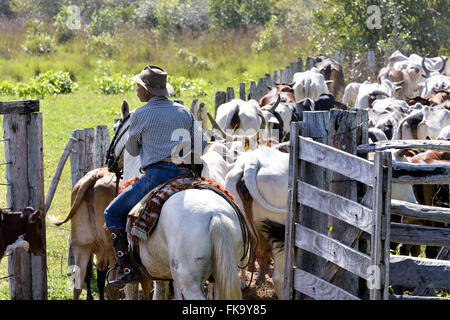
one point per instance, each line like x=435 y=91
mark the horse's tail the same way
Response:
x=225 y=264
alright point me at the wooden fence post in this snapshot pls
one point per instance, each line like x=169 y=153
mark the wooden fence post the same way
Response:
x=281 y=72
x=343 y=127
x=25 y=179
x=288 y=74
x=315 y=125
x=292 y=214
x=300 y=64
x=221 y=98
x=252 y=90
x=81 y=159
x=229 y=94
x=268 y=80
x=81 y=162
x=295 y=67
x=380 y=239
x=260 y=88
x=102 y=142
x=309 y=63
x=242 y=95
x=276 y=76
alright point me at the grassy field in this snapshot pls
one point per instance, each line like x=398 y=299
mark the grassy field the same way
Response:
x=230 y=59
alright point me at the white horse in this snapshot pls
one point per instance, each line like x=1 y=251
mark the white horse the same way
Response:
x=198 y=235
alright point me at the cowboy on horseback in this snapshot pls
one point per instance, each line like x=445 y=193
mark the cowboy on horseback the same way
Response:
x=151 y=136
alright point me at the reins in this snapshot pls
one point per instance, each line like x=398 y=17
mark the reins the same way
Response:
x=111 y=159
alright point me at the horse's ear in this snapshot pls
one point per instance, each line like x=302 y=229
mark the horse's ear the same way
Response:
x=125 y=109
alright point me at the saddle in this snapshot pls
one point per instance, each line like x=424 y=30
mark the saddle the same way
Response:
x=143 y=218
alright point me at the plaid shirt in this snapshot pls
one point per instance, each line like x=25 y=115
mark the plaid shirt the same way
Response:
x=158 y=127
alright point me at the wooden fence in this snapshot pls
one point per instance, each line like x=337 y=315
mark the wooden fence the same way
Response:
x=319 y=248
x=22 y=126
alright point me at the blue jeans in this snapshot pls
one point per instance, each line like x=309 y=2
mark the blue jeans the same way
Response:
x=117 y=211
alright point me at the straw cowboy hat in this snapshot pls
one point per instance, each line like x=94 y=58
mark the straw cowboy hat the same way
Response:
x=154 y=80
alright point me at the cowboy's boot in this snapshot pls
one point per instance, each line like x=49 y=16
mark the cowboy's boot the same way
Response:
x=127 y=272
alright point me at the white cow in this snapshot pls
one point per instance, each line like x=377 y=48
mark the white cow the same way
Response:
x=350 y=93
x=369 y=92
x=436 y=81
x=444 y=134
x=424 y=123
x=262 y=169
x=309 y=84
x=240 y=117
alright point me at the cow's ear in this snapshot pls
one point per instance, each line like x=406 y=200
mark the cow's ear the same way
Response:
x=32 y=218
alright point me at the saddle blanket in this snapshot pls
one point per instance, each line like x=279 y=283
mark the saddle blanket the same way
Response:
x=143 y=218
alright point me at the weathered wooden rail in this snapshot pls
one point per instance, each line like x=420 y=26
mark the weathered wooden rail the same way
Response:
x=370 y=216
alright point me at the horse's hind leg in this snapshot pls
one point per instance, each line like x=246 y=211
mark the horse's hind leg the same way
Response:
x=188 y=282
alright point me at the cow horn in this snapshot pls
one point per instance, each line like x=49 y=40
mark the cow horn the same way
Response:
x=423 y=64
x=263 y=120
x=215 y=125
x=275 y=105
x=328 y=81
x=277 y=83
x=444 y=61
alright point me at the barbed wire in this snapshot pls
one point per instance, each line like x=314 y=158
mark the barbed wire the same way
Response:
x=7 y=277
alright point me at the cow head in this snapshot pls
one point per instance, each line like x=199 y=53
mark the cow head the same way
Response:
x=284 y=89
x=33 y=234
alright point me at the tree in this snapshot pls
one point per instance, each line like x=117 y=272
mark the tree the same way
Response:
x=357 y=25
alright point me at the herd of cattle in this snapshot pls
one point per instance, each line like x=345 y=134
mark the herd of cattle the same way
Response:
x=248 y=150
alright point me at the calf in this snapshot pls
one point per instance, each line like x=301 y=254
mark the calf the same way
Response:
x=21 y=230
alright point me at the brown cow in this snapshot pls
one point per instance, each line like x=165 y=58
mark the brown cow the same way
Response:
x=428 y=194
x=90 y=197
x=331 y=70
x=285 y=91
x=21 y=229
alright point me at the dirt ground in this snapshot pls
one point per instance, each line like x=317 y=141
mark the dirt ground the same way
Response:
x=262 y=291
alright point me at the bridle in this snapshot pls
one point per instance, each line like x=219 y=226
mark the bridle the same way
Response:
x=111 y=160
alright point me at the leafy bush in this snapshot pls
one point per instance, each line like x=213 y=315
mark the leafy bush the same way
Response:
x=63 y=32
x=115 y=84
x=104 y=44
x=49 y=83
x=189 y=87
x=104 y=21
x=193 y=61
x=37 y=40
x=269 y=38
x=7 y=88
